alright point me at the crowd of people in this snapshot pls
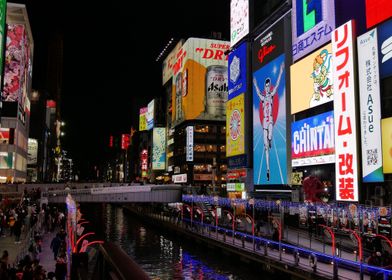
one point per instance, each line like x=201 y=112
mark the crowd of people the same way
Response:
x=25 y=216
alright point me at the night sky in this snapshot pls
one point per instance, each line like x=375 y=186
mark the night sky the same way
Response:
x=109 y=60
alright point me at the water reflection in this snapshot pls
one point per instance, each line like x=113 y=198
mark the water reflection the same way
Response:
x=165 y=256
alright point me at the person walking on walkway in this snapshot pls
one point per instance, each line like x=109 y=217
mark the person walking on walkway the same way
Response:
x=55 y=245
x=17 y=230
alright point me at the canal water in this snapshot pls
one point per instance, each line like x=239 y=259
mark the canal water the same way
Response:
x=163 y=255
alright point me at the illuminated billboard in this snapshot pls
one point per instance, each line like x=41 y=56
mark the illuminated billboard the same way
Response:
x=385 y=48
x=311 y=80
x=200 y=85
x=237 y=71
x=377 y=11
x=4 y=135
x=3 y=5
x=159 y=148
x=239 y=20
x=387 y=144
x=345 y=115
x=32 y=151
x=235 y=124
x=14 y=63
x=269 y=107
x=168 y=63
x=312 y=140
x=144 y=162
x=125 y=141
x=312 y=25
x=370 y=108
x=143 y=119
x=150 y=115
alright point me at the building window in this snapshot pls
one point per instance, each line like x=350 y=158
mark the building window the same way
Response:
x=202 y=128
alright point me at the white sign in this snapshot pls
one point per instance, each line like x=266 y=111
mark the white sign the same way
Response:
x=32 y=151
x=180 y=178
x=239 y=20
x=369 y=90
x=346 y=163
x=150 y=115
x=189 y=143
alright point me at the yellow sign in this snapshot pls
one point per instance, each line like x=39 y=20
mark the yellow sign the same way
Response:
x=235 y=123
x=143 y=119
x=311 y=80
x=387 y=144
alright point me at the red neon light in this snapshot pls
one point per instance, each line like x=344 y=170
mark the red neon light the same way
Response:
x=94 y=242
x=332 y=238
x=80 y=238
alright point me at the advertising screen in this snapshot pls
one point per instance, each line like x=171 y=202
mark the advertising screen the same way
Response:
x=370 y=108
x=14 y=63
x=143 y=119
x=386 y=128
x=32 y=151
x=312 y=25
x=168 y=63
x=345 y=115
x=4 y=135
x=269 y=107
x=384 y=33
x=312 y=140
x=125 y=140
x=3 y=4
x=237 y=71
x=144 y=162
x=189 y=143
x=311 y=80
x=200 y=85
x=377 y=11
x=7 y=160
x=159 y=148
x=239 y=20
x=150 y=115
x=235 y=124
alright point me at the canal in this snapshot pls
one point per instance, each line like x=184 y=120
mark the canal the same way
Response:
x=164 y=255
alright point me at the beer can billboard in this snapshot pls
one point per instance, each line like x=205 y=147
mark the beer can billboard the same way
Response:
x=159 y=148
x=370 y=108
x=200 y=85
x=143 y=119
x=235 y=123
x=269 y=106
x=312 y=22
x=311 y=80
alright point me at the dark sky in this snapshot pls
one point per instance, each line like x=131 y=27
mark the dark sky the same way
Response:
x=109 y=59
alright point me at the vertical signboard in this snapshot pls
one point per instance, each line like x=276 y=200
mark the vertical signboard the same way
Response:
x=387 y=144
x=269 y=107
x=311 y=80
x=143 y=119
x=237 y=71
x=189 y=143
x=312 y=140
x=144 y=162
x=239 y=20
x=32 y=151
x=125 y=141
x=235 y=123
x=346 y=165
x=200 y=81
x=370 y=108
x=159 y=148
x=150 y=115
x=312 y=22
x=3 y=15
x=377 y=11
x=384 y=33
x=168 y=63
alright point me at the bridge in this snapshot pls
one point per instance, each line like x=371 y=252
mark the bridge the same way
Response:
x=118 y=194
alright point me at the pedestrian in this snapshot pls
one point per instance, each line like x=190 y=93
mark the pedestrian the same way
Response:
x=4 y=258
x=17 y=230
x=55 y=245
x=61 y=267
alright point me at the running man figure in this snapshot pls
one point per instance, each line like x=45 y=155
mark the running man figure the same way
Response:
x=266 y=97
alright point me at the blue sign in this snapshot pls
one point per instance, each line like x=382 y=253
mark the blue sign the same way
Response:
x=269 y=124
x=385 y=49
x=312 y=140
x=312 y=25
x=237 y=162
x=237 y=71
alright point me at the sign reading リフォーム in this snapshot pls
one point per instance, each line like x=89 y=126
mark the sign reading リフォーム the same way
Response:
x=312 y=22
x=346 y=165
